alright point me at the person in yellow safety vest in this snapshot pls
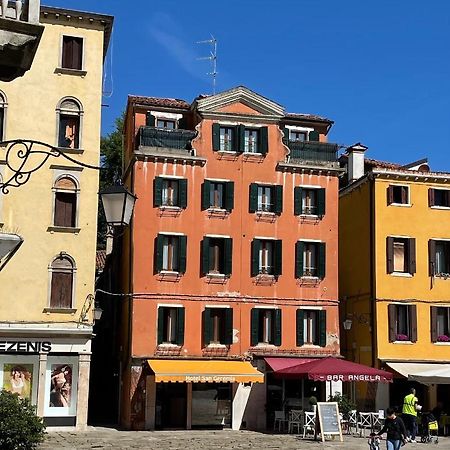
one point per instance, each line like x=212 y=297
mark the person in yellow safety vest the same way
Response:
x=409 y=415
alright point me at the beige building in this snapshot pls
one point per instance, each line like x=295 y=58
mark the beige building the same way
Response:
x=45 y=305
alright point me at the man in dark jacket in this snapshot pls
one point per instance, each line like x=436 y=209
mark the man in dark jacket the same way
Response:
x=395 y=429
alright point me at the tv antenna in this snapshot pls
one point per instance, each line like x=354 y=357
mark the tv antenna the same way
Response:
x=213 y=58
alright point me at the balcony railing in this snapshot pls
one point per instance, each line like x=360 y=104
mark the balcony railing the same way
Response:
x=311 y=151
x=164 y=138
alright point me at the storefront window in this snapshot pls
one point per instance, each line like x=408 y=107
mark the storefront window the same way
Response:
x=211 y=405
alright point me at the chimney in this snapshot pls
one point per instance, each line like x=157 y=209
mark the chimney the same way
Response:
x=355 y=165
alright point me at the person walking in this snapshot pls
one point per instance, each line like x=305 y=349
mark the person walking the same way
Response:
x=395 y=429
x=409 y=414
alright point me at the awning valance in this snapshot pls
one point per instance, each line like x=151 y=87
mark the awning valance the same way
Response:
x=423 y=372
x=198 y=371
x=283 y=363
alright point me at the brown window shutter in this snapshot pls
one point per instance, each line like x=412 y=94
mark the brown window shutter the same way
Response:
x=431 y=197
x=390 y=195
x=390 y=254
x=67 y=53
x=65 y=209
x=433 y=324
x=77 y=58
x=413 y=322
x=412 y=255
x=432 y=257
x=61 y=290
x=404 y=195
x=392 y=319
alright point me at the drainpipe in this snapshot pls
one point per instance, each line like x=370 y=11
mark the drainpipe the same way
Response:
x=372 y=267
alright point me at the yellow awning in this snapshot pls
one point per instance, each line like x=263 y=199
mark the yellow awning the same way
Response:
x=198 y=371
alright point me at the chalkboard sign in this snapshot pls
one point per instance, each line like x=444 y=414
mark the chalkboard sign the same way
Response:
x=330 y=423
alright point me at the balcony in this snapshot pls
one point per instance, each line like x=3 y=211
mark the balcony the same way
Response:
x=313 y=153
x=20 y=33
x=173 y=142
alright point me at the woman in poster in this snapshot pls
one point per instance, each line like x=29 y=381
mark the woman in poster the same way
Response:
x=61 y=382
x=20 y=381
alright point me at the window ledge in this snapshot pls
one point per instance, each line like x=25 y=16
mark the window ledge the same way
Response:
x=402 y=274
x=216 y=275
x=309 y=278
x=310 y=216
x=403 y=342
x=265 y=213
x=168 y=345
x=216 y=346
x=66 y=71
x=255 y=154
x=60 y=310
x=265 y=345
x=442 y=276
x=441 y=343
x=227 y=152
x=440 y=207
x=311 y=346
x=72 y=230
x=170 y=208
x=403 y=205
x=73 y=151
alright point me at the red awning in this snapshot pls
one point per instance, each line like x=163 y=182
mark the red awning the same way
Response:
x=333 y=369
x=277 y=364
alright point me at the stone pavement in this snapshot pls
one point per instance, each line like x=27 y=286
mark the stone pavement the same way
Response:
x=111 y=439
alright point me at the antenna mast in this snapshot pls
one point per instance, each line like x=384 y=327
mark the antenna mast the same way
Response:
x=213 y=58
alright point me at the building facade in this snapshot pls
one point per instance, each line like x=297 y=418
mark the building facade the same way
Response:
x=231 y=258
x=45 y=308
x=393 y=280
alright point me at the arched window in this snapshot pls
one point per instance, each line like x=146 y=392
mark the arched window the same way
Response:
x=69 y=123
x=62 y=282
x=66 y=199
x=3 y=106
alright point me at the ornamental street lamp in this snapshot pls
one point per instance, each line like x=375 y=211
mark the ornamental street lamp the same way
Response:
x=9 y=244
x=118 y=204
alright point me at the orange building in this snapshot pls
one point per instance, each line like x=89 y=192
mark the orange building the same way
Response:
x=231 y=258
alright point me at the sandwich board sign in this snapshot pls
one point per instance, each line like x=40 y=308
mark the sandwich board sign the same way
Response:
x=329 y=420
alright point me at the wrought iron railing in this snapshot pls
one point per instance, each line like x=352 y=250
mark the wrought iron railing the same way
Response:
x=160 y=137
x=320 y=152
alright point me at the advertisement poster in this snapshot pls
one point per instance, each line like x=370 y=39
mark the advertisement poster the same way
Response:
x=18 y=379
x=61 y=386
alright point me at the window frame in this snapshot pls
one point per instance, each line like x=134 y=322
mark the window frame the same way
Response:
x=172 y=242
x=51 y=271
x=181 y=253
x=395 y=333
x=166 y=120
x=75 y=191
x=257 y=318
x=393 y=202
x=69 y=70
x=245 y=149
x=432 y=198
x=61 y=112
x=233 y=140
x=166 y=186
x=179 y=327
x=445 y=332
x=222 y=252
x=446 y=247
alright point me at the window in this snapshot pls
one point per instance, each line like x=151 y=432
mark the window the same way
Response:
x=170 y=253
x=398 y=195
x=3 y=106
x=251 y=141
x=62 y=272
x=171 y=325
x=65 y=208
x=227 y=139
x=402 y=323
x=218 y=195
x=293 y=135
x=265 y=199
x=69 y=124
x=310 y=259
x=166 y=123
x=217 y=256
x=311 y=327
x=170 y=192
x=439 y=197
x=401 y=255
x=265 y=326
x=298 y=136
x=72 y=53
x=439 y=252
x=218 y=326
x=266 y=257
x=440 y=324
x=309 y=201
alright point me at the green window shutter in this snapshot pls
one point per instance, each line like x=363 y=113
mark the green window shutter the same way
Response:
x=253 y=198
x=314 y=136
x=216 y=137
x=180 y=327
x=228 y=338
x=264 y=140
x=149 y=120
x=229 y=196
x=206 y=192
x=205 y=255
x=207 y=329
x=322 y=315
x=228 y=256
x=285 y=135
x=160 y=325
x=299 y=249
x=157 y=191
x=278 y=200
x=159 y=253
x=256 y=245
x=320 y=202
x=277 y=327
x=322 y=260
x=300 y=316
x=240 y=132
x=182 y=247
x=278 y=257
x=182 y=192
x=297 y=201
x=254 y=327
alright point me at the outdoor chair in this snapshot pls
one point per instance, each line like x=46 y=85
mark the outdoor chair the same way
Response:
x=279 y=420
x=364 y=423
x=310 y=423
x=295 y=420
x=352 y=421
x=377 y=422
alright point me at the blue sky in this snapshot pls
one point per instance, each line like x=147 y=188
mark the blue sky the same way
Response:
x=379 y=69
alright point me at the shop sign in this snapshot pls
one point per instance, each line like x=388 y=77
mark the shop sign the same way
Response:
x=370 y=378
x=210 y=379
x=25 y=347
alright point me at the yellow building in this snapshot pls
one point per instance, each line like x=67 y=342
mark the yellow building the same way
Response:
x=45 y=309
x=394 y=277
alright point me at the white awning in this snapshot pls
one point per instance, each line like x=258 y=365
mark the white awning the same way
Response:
x=423 y=373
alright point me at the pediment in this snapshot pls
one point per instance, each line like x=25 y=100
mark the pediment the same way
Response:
x=239 y=100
